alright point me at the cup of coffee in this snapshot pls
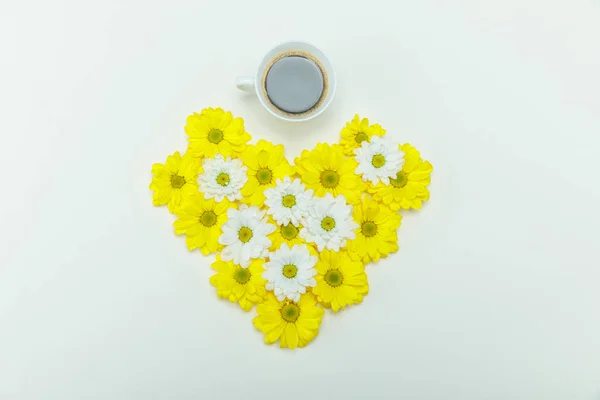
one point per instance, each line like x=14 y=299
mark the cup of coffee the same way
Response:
x=295 y=81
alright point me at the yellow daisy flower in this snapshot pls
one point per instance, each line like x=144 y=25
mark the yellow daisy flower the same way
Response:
x=357 y=131
x=285 y=234
x=341 y=281
x=376 y=235
x=201 y=221
x=293 y=324
x=266 y=163
x=409 y=189
x=215 y=131
x=240 y=285
x=326 y=169
x=175 y=181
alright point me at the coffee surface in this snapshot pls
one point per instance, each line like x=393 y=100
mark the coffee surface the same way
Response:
x=294 y=84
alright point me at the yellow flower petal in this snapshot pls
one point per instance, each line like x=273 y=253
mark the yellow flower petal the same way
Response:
x=274 y=334
x=199 y=126
x=409 y=190
x=245 y=292
x=263 y=155
x=356 y=131
x=174 y=182
x=189 y=222
x=339 y=293
x=325 y=157
x=291 y=335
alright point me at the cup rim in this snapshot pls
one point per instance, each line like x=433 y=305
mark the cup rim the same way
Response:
x=303 y=46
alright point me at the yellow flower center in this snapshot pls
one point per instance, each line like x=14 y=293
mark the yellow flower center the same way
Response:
x=369 y=229
x=289 y=231
x=264 y=176
x=223 y=179
x=177 y=181
x=290 y=271
x=208 y=218
x=361 y=137
x=245 y=234
x=400 y=181
x=328 y=223
x=215 y=136
x=290 y=312
x=330 y=179
x=289 y=201
x=378 y=161
x=242 y=275
x=334 y=277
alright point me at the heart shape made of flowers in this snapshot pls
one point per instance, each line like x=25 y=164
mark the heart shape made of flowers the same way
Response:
x=292 y=239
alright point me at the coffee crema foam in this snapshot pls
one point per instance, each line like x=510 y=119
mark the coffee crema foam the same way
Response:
x=308 y=56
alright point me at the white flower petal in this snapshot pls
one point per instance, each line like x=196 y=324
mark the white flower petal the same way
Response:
x=213 y=168
x=274 y=201
x=300 y=257
x=257 y=247
x=378 y=146
x=228 y=237
x=335 y=208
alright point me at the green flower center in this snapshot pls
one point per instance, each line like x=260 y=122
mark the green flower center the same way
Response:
x=177 y=181
x=334 y=277
x=289 y=231
x=289 y=201
x=208 y=218
x=290 y=271
x=361 y=137
x=245 y=234
x=242 y=275
x=369 y=229
x=328 y=223
x=264 y=176
x=378 y=161
x=215 y=136
x=329 y=179
x=290 y=312
x=400 y=181
x=223 y=179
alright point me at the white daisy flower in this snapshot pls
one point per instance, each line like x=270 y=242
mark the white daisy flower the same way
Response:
x=329 y=223
x=222 y=178
x=245 y=235
x=290 y=271
x=288 y=201
x=378 y=160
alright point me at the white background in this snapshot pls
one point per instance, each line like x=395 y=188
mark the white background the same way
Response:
x=494 y=294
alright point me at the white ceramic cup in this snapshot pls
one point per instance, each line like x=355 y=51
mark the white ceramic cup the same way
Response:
x=256 y=84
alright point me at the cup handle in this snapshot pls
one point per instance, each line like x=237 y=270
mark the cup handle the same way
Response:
x=245 y=83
